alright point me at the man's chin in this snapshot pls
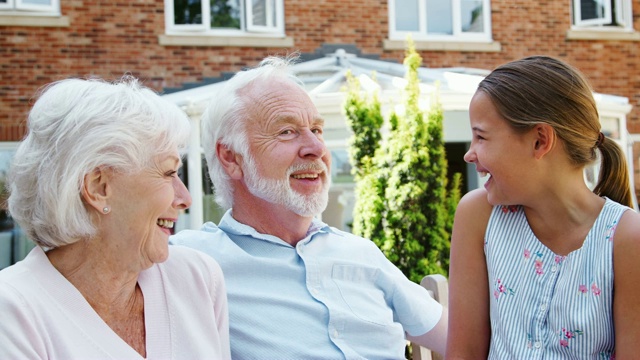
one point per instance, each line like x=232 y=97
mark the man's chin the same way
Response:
x=310 y=207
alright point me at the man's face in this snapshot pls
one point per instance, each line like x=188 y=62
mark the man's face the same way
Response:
x=288 y=162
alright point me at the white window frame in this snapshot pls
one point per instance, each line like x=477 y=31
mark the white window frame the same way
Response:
x=622 y=15
x=458 y=34
x=19 y=6
x=246 y=27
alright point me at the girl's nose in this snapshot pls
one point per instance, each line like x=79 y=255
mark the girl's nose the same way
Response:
x=470 y=156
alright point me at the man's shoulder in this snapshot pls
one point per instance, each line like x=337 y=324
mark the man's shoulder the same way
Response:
x=348 y=235
x=349 y=240
x=210 y=239
x=208 y=232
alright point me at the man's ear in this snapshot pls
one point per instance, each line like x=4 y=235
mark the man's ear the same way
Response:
x=544 y=140
x=230 y=161
x=96 y=189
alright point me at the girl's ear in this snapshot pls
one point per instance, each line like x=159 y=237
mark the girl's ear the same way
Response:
x=96 y=189
x=230 y=161
x=544 y=140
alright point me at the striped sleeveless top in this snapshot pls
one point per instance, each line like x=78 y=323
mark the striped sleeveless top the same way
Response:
x=546 y=306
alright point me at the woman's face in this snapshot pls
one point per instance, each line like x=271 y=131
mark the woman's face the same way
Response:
x=144 y=208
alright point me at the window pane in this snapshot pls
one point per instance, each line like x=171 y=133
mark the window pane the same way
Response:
x=407 y=15
x=472 y=16
x=225 y=14
x=439 y=17
x=187 y=12
x=14 y=245
x=592 y=9
x=259 y=10
x=37 y=2
x=263 y=13
x=610 y=127
x=340 y=167
x=274 y=21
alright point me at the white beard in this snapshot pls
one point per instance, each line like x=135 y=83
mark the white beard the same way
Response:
x=280 y=192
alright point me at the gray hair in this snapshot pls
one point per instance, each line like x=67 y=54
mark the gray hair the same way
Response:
x=226 y=118
x=75 y=127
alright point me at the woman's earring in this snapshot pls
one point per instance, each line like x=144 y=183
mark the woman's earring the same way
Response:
x=105 y=210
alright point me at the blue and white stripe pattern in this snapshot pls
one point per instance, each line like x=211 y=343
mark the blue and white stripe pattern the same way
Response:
x=547 y=306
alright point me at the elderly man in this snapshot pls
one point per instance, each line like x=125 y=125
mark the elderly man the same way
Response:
x=297 y=288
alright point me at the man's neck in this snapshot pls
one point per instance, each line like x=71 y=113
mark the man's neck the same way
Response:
x=273 y=220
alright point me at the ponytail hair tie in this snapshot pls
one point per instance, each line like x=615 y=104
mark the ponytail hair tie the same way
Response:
x=600 y=140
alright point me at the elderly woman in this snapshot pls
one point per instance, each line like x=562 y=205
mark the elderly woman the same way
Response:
x=95 y=185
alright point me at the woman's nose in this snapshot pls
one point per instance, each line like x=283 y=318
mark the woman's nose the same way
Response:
x=182 y=198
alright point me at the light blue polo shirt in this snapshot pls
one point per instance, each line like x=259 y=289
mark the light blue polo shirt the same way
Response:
x=332 y=296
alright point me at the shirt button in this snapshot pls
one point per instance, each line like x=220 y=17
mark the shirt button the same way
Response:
x=554 y=268
x=543 y=307
x=537 y=345
x=335 y=333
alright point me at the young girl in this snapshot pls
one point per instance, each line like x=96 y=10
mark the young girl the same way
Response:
x=536 y=255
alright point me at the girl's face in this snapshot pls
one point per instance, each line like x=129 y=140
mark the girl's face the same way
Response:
x=499 y=152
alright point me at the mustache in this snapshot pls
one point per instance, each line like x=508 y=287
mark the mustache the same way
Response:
x=310 y=166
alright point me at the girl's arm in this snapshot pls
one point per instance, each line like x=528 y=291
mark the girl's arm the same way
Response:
x=626 y=285
x=469 y=328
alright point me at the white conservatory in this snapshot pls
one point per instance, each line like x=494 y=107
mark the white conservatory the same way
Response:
x=325 y=80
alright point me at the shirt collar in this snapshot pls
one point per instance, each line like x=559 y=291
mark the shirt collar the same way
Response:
x=230 y=225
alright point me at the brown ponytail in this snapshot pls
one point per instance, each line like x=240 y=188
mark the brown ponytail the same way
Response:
x=613 y=181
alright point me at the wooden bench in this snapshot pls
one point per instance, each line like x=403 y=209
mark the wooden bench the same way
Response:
x=438 y=288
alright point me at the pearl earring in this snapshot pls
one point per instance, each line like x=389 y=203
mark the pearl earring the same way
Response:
x=106 y=209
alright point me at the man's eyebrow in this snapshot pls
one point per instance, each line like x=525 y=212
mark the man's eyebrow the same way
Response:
x=318 y=121
x=288 y=119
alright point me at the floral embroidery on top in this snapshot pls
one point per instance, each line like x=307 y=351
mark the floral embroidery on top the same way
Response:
x=502 y=289
x=559 y=259
x=538 y=267
x=566 y=335
x=538 y=264
x=595 y=290
x=611 y=229
x=509 y=208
